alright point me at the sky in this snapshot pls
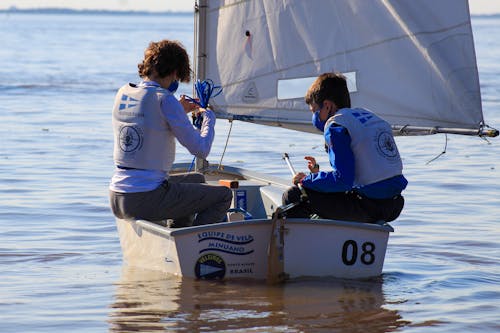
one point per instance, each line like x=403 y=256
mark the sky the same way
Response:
x=476 y=6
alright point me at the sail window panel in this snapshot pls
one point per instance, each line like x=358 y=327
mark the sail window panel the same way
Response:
x=296 y=88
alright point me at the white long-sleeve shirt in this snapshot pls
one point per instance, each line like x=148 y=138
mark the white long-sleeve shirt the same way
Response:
x=197 y=142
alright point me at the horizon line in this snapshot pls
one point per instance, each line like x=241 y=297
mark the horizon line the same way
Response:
x=14 y=9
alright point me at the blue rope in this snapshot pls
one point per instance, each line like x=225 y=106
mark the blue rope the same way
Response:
x=204 y=90
x=192 y=164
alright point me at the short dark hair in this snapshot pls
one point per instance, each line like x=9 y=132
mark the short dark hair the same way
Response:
x=165 y=57
x=331 y=86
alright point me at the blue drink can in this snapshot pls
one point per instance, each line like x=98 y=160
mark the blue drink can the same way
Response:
x=241 y=199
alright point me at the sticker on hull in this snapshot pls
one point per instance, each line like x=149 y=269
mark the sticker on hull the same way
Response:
x=210 y=266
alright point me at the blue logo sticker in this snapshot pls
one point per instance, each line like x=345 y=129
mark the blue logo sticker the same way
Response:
x=209 y=267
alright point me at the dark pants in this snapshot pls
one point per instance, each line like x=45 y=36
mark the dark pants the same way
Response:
x=184 y=198
x=348 y=206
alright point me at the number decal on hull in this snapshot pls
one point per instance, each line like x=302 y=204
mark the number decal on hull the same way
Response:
x=350 y=253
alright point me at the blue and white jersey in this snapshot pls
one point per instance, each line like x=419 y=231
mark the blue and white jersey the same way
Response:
x=362 y=154
x=147 y=120
x=376 y=156
x=143 y=139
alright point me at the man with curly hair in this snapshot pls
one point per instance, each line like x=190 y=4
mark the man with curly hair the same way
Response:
x=147 y=120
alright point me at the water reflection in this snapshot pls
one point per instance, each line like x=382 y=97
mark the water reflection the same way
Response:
x=150 y=301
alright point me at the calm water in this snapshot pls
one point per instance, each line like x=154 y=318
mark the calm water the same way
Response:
x=60 y=260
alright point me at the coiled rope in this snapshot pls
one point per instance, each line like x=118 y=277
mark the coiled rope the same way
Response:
x=205 y=90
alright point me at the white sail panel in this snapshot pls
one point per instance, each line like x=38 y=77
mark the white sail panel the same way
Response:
x=414 y=61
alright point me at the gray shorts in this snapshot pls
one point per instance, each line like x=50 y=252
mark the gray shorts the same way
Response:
x=185 y=198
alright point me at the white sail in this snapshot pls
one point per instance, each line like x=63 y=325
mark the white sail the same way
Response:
x=411 y=62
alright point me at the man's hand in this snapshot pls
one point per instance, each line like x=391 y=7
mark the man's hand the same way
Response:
x=298 y=178
x=311 y=164
x=188 y=105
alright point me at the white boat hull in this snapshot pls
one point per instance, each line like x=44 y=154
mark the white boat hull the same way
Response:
x=239 y=250
x=232 y=250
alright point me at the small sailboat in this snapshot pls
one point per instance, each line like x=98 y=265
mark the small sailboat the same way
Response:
x=412 y=63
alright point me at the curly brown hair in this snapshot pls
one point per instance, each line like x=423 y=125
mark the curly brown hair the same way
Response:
x=165 y=57
x=331 y=86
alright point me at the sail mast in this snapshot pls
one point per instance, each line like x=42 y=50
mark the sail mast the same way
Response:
x=200 y=39
x=200 y=56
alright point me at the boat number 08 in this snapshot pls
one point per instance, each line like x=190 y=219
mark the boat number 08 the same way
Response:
x=350 y=253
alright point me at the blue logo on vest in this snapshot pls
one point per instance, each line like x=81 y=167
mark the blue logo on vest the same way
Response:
x=363 y=117
x=130 y=138
x=127 y=102
x=386 y=145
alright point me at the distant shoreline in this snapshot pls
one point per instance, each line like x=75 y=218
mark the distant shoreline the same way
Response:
x=14 y=10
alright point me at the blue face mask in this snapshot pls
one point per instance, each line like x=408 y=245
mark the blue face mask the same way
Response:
x=173 y=86
x=318 y=123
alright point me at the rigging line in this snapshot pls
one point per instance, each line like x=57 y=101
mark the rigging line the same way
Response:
x=225 y=146
x=443 y=152
x=487 y=131
x=483 y=137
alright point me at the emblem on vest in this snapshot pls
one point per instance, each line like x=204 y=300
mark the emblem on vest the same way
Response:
x=130 y=138
x=362 y=116
x=386 y=145
x=127 y=102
